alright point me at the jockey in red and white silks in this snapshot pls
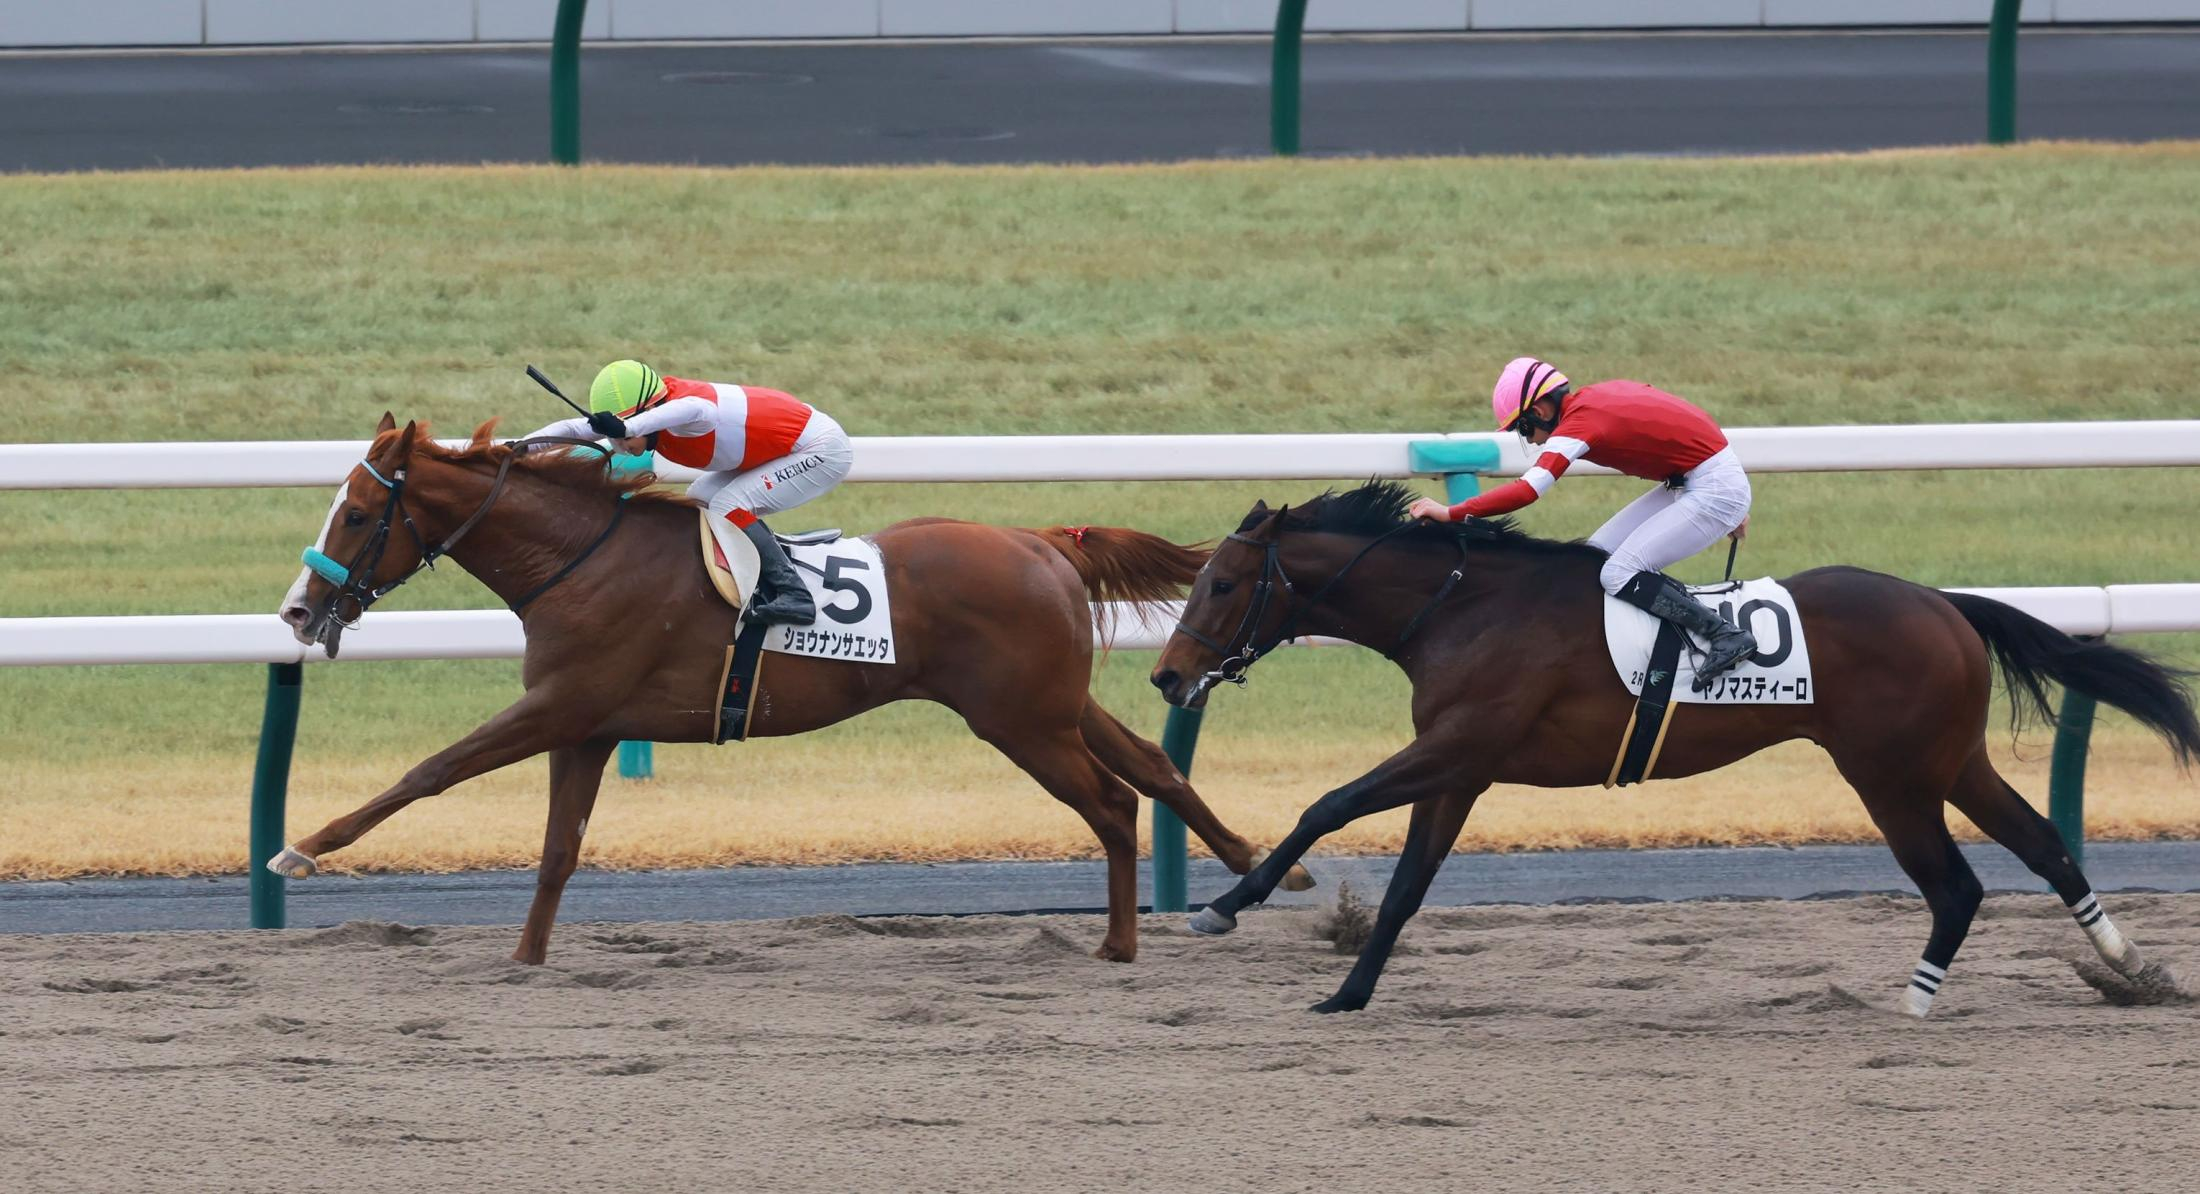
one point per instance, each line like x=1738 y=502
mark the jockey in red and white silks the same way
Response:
x=1702 y=496
x=761 y=451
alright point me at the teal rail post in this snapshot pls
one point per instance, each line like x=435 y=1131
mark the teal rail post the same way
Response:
x=2001 y=73
x=1458 y=462
x=271 y=789
x=637 y=760
x=565 y=83
x=2066 y=772
x=1179 y=737
x=1283 y=78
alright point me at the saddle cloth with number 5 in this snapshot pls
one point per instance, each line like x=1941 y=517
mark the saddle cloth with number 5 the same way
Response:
x=846 y=577
x=1778 y=674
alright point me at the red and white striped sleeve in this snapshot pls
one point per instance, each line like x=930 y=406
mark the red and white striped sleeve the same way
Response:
x=1558 y=452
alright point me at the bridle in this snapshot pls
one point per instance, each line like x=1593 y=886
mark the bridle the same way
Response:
x=355 y=591
x=1241 y=654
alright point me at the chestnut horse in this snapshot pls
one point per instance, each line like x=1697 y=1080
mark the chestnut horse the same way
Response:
x=1502 y=636
x=626 y=640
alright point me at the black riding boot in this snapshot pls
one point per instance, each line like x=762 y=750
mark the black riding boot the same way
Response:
x=781 y=597
x=1724 y=645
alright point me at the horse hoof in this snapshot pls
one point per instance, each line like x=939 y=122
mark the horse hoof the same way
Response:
x=292 y=865
x=1915 y=1003
x=1209 y=923
x=1109 y=953
x=1340 y=1002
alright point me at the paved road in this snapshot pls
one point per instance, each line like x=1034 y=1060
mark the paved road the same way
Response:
x=1088 y=101
x=751 y=893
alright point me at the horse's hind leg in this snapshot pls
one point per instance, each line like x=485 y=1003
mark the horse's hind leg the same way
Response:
x=1062 y=764
x=576 y=775
x=1143 y=765
x=2004 y=815
x=1917 y=831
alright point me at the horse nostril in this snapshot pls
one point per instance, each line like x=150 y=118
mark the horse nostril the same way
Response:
x=1164 y=678
x=297 y=615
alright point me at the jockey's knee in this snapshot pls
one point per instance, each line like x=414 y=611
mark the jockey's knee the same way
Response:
x=1618 y=570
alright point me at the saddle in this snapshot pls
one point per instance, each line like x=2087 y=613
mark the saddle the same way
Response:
x=730 y=558
x=730 y=561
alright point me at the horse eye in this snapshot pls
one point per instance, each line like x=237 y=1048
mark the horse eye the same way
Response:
x=353 y=518
x=1224 y=586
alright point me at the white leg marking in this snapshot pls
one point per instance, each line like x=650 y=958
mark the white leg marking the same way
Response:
x=1917 y=998
x=2114 y=948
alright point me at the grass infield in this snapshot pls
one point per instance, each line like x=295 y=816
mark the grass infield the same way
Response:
x=2047 y=282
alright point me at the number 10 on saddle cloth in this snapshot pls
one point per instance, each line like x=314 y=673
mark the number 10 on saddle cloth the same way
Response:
x=1778 y=674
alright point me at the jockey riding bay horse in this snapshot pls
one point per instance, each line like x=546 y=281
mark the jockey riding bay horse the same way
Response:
x=1502 y=636
x=630 y=640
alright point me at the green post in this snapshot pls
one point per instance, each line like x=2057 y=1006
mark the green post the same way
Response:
x=2066 y=772
x=1179 y=737
x=565 y=83
x=271 y=788
x=2001 y=73
x=1283 y=78
x=637 y=760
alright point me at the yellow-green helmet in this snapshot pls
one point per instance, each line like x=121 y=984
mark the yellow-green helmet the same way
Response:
x=622 y=387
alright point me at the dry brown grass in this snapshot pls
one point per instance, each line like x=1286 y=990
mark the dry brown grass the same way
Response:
x=766 y=803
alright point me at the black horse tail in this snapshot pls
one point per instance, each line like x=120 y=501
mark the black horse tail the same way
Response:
x=2030 y=653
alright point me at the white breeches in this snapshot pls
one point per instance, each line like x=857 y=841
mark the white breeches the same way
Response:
x=1666 y=526
x=820 y=461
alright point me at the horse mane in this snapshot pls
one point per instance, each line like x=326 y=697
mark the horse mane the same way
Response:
x=1379 y=507
x=572 y=468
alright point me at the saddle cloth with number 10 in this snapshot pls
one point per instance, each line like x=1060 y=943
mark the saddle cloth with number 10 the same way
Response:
x=1778 y=674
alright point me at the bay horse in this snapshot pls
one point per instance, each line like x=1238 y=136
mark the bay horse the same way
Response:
x=627 y=641
x=1502 y=636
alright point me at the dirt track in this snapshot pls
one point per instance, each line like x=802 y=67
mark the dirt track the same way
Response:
x=1642 y=1047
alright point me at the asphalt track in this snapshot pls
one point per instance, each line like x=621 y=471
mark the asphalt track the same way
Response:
x=758 y=893
x=1089 y=101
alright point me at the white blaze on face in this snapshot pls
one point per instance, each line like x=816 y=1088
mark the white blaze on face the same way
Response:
x=296 y=597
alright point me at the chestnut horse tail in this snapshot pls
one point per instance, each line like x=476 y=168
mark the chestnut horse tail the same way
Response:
x=2031 y=652
x=1120 y=564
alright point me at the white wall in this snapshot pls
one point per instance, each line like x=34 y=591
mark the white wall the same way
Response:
x=243 y=22
x=237 y=21
x=108 y=23
x=672 y=19
x=533 y=20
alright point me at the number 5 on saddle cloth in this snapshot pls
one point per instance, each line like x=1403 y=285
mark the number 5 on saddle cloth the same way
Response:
x=1647 y=652
x=847 y=579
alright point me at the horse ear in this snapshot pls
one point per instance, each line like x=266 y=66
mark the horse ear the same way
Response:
x=406 y=442
x=481 y=436
x=1260 y=505
x=388 y=423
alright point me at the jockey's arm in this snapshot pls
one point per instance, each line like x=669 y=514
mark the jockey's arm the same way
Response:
x=681 y=416
x=565 y=429
x=1558 y=452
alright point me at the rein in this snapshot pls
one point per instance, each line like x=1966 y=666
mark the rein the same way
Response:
x=355 y=581
x=1239 y=657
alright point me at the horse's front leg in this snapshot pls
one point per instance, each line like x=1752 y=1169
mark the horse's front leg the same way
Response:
x=1429 y=766
x=542 y=720
x=576 y=774
x=1436 y=825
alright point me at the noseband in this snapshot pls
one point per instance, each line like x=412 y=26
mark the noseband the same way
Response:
x=1238 y=657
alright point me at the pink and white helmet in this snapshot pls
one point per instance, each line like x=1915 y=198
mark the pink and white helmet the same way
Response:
x=1524 y=380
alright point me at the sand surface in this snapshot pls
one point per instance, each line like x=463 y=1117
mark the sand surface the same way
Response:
x=1601 y=1047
